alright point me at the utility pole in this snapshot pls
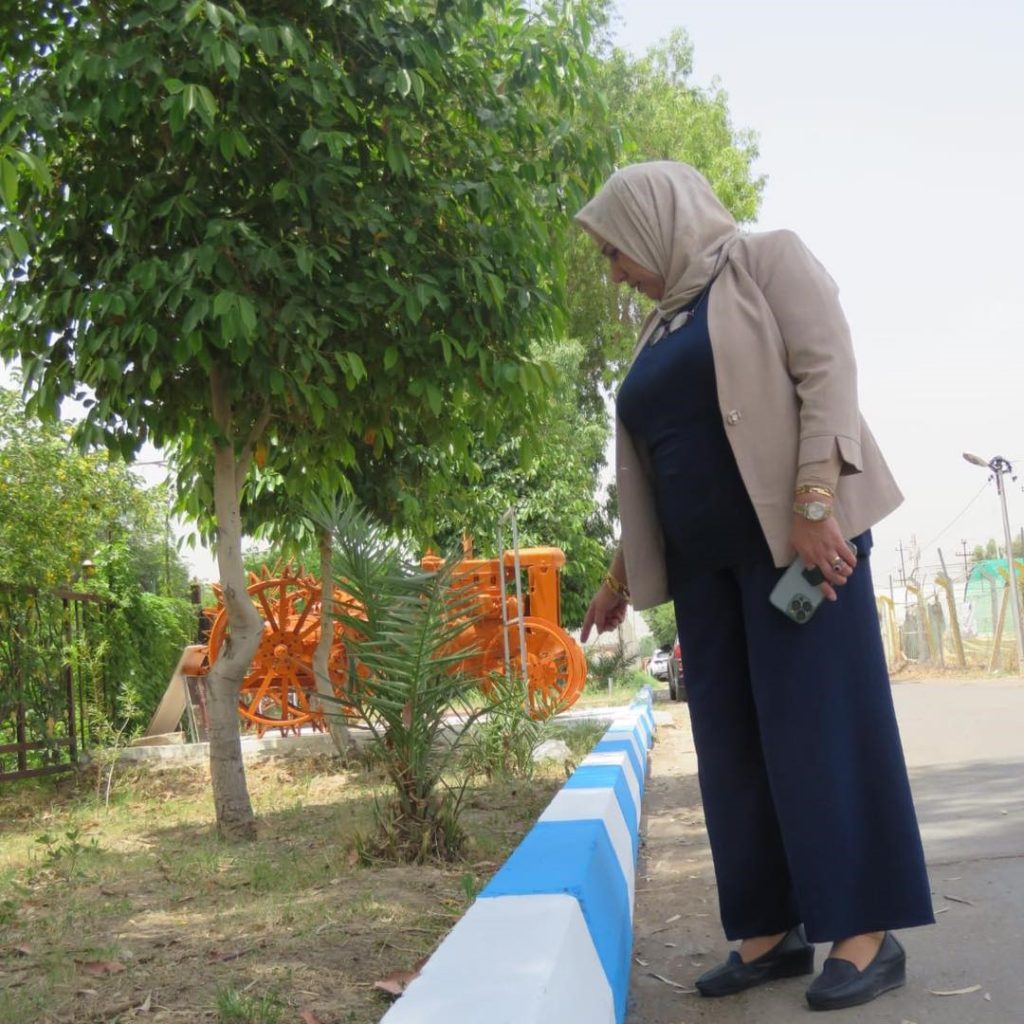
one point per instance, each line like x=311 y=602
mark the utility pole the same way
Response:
x=967 y=570
x=1000 y=468
x=903 y=567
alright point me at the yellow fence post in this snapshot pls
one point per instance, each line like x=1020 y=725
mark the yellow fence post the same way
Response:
x=947 y=585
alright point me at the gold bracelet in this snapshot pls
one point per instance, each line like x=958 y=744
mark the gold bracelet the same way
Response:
x=825 y=492
x=616 y=586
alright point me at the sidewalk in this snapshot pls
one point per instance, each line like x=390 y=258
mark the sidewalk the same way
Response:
x=965 y=747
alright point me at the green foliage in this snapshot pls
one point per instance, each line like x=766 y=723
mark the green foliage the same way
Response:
x=661 y=621
x=128 y=649
x=605 y=666
x=59 y=507
x=405 y=682
x=239 y=1007
x=64 y=854
x=354 y=211
x=549 y=475
x=580 y=735
x=550 y=468
x=504 y=739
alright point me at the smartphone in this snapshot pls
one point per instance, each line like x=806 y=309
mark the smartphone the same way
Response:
x=798 y=593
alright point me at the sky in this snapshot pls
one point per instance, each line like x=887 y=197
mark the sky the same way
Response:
x=892 y=136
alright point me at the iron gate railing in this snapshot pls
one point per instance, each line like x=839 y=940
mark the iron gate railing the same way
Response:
x=48 y=679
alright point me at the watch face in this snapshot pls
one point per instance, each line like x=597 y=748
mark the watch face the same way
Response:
x=816 y=511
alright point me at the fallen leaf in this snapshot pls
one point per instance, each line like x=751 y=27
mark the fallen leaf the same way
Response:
x=87 y=992
x=954 y=991
x=987 y=997
x=674 y=917
x=309 y=1017
x=101 y=968
x=642 y=963
x=957 y=899
x=942 y=910
x=397 y=982
x=144 y=1006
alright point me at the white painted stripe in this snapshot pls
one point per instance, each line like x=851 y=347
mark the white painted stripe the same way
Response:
x=630 y=720
x=638 y=738
x=620 y=759
x=631 y=735
x=511 y=960
x=600 y=804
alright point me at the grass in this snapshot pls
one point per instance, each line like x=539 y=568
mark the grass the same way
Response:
x=108 y=909
x=235 y=1007
x=624 y=689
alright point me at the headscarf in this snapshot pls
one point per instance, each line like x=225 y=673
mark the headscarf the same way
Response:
x=664 y=216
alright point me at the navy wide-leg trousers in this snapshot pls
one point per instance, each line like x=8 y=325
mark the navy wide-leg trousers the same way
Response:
x=805 y=789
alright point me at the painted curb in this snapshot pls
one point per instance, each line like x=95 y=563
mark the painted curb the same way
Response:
x=550 y=938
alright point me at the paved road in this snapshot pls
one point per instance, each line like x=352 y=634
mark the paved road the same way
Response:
x=964 y=743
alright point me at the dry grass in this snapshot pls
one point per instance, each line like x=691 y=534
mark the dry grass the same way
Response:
x=137 y=912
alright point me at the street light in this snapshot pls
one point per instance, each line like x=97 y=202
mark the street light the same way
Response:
x=1001 y=467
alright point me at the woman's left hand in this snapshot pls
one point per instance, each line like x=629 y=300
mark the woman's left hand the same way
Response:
x=822 y=545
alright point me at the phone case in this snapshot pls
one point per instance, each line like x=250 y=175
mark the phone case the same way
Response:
x=798 y=593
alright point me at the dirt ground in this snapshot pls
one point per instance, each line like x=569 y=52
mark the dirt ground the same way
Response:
x=678 y=934
x=136 y=912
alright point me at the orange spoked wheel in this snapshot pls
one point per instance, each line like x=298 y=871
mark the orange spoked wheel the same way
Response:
x=276 y=692
x=555 y=666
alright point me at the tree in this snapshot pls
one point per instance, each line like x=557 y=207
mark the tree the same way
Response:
x=549 y=474
x=551 y=467
x=61 y=510
x=311 y=233
x=661 y=621
x=60 y=507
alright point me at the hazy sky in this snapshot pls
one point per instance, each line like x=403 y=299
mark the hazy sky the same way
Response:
x=892 y=135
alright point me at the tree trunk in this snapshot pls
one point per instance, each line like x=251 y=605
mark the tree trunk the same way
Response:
x=235 y=819
x=335 y=720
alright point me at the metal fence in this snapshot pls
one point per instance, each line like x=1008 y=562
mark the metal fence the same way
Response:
x=956 y=621
x=51 y=676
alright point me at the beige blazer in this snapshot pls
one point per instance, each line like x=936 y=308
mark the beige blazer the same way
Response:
x=787 y=391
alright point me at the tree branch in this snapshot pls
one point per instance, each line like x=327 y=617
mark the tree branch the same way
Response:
x=245 y=456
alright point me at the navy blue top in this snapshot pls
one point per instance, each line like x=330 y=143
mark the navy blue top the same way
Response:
x=669 y=404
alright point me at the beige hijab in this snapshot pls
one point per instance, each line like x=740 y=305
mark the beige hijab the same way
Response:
x=664 y=216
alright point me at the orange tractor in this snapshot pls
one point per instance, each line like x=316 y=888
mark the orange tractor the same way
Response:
x=279 y=688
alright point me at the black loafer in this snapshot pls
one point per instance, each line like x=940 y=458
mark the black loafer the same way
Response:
x=790 y=957
x=840 y=984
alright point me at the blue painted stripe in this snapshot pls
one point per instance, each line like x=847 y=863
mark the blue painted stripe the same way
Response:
x=646 y=725
x=614 y=746
x=576 y=857
x=610 y=776
x=637 y=736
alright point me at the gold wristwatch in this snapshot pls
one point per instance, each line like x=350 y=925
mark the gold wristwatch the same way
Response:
x=813 y=511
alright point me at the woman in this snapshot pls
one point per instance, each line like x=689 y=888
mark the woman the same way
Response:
x=739 y=448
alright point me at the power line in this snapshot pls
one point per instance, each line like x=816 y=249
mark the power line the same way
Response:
x=956 y=518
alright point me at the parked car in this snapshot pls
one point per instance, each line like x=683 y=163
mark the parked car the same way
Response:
x=664 y=665
x=660 y=665
x=677 y=689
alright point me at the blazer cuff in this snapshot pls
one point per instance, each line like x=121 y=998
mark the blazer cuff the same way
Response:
x=822 y=447
x=821 y=474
